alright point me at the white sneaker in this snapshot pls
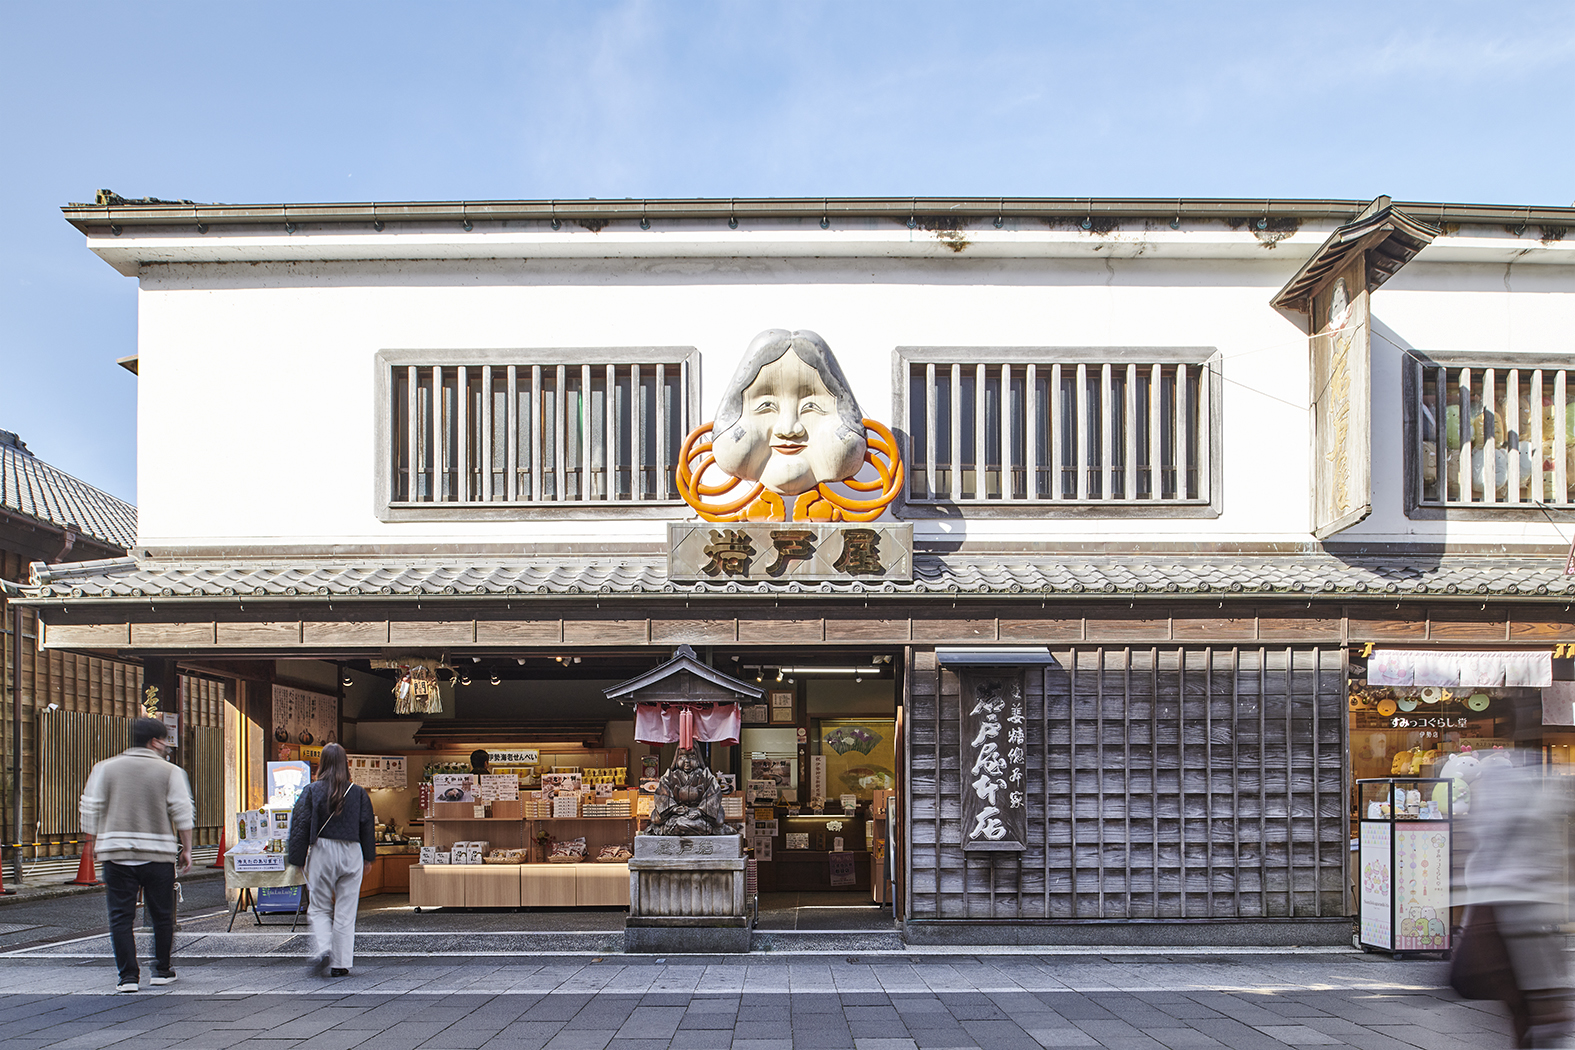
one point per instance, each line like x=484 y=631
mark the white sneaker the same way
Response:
x=163 y=978
x=126 y=986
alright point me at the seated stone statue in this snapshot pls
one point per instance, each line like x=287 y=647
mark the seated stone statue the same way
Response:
x=688 y=800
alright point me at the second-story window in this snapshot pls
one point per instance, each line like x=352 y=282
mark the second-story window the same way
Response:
x=1489 y=432
x=1061 y=427
x=586 y=427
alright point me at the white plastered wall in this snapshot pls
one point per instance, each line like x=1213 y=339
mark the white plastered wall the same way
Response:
x=256 y=421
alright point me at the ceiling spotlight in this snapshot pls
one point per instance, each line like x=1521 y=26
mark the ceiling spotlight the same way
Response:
x=520 y=660
x=495 y=680
x=475 y=659
x=858 y=678
x=464 y=679
x=779 y=674
x=576 y=659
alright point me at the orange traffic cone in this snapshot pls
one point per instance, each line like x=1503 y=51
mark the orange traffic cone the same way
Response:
x=218 y=860
x=85 y=868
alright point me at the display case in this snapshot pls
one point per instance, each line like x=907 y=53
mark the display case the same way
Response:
x=1405 y=859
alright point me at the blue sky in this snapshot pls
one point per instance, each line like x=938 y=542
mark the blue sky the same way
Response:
x=268 y=102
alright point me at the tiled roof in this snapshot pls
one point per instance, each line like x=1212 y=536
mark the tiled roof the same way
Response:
x=1105 y=575
x=30 y=486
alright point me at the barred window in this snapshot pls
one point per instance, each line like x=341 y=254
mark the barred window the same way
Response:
x=1508 y=433
x=1061 y=427
x=517 y=430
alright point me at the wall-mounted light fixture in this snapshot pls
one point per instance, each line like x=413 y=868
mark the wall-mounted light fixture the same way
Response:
x=495 y=680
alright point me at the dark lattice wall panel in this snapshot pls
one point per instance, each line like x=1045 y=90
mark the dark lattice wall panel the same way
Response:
x=1163 y=783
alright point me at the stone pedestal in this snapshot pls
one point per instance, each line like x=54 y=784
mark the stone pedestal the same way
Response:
x=686 y=894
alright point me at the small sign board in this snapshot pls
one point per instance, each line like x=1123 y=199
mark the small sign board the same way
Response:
x=806 y=551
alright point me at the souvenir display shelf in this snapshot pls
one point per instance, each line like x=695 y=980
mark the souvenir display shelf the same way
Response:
x=1404 y=864
x=536 y=883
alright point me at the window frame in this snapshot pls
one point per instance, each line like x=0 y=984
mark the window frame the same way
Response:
x=687 y=359
x=1412 y=363
x=1208 y=505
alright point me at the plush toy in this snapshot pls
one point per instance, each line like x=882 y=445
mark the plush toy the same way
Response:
x=1459 y=770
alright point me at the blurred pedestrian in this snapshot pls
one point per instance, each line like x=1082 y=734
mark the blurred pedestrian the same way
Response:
x=331 y=835
x=1516 y=881
x=137 y=814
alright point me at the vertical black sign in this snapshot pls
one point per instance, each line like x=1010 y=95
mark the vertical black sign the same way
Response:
x=994 y=759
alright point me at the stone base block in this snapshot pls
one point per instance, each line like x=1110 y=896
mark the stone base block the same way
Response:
x=664 y=940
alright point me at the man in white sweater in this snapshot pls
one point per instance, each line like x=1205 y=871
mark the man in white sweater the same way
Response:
x=137 y=812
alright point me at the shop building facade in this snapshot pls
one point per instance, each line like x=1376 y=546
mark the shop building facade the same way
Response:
x=1166 y=470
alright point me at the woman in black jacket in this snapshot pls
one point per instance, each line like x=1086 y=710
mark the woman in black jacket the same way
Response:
x=333 y=819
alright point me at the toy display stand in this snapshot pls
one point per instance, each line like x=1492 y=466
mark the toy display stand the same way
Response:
x=1405 y=846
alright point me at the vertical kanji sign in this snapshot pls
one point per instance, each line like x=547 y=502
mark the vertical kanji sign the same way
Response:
x=994 y=759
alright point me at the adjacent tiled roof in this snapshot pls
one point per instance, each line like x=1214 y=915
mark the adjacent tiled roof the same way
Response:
x=1104 y=575
x=30 y=486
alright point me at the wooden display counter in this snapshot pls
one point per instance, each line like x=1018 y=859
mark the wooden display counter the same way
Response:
x=389 y=873
x=583 y=885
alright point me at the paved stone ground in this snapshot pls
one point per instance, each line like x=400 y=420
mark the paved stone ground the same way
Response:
x=890 y=1001
x=455 y=981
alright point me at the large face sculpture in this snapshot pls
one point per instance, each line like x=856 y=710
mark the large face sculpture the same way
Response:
x=788 y=419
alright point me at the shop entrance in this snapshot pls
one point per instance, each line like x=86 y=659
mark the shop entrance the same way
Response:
x=821 y=756
x=813 y=781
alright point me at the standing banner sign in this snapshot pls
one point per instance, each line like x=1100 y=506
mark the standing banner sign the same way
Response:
x=994 y=759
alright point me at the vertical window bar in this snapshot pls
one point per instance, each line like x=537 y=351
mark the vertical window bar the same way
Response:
x=1057 y=453
x=1129 y=436
x=929 y=431
x=637 y=436
x=484 y=446
x=1080 y=456
x=1178 y=451
x=980 y=450
x=1156 y=429
x=1008 y=488
x=512 y=438
x=536 y=481
x=462 y=435
x=685 y=424
x=1463 y=395
x=1560 y=435
x=1489 y=438
x=587 y=457
x=1031 y=432
x=439 y=433
x=1107 y=451
x=955 y=489
x=659 y=489
x=1512 y=439
x=560 y=433
x=1202 y=417
x=413 y=437
x=1539 y=450
x=1423 y=414
x=610 y=438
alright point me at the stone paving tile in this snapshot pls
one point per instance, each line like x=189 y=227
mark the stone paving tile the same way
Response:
x=581 y=1038
x=878 y=1043
x=1235 y=1034
x=1182 y=1038
x=1051 y=1037
x=1074 y=1006
x=1298 y=1035
x=1118 y=1033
